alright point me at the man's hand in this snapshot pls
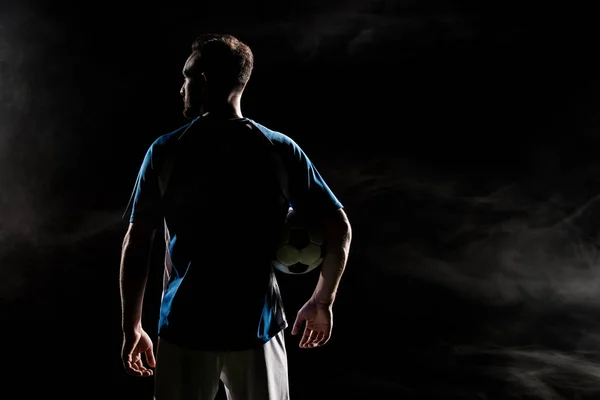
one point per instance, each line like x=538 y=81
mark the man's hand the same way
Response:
x=319 y=321
x=135 y=343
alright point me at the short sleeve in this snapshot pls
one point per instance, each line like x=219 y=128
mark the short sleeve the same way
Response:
x=146 y=204
x=310 y=196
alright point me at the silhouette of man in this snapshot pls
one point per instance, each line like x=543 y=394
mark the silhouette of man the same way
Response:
x=213 y=186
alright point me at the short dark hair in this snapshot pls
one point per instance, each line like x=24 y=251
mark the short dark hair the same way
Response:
x=225 y=59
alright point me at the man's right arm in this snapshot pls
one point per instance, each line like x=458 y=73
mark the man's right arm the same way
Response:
x=337 y=238
x=313 y=199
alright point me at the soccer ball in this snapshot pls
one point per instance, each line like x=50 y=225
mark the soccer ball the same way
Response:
x=299 y=249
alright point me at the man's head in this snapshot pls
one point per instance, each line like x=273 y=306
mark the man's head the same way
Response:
x=216 y=71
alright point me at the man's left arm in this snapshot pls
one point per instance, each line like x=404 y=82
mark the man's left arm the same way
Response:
x=135 y=262
x=146 y=214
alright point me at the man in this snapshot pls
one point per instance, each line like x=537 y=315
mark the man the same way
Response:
x=215 y=186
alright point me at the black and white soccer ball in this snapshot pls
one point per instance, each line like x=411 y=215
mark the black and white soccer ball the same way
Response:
x=299 y=248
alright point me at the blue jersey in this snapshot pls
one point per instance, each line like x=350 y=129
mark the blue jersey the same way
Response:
x=215 y=187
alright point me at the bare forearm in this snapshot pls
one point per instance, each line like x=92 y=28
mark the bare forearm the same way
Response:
x=134 y=275
x=332 y=269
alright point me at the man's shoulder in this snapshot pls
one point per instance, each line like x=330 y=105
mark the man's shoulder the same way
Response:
x=164 y=145
x=276 y=137
x=167 y=139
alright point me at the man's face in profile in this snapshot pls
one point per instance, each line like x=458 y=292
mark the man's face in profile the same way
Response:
x=192 y=90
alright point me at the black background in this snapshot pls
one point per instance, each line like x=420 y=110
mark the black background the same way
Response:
x=461 y=137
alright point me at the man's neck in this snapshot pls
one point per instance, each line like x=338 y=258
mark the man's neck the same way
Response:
x=223 y=110
x=222 y=114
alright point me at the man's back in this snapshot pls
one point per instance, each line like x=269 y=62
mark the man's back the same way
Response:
x=223 y=208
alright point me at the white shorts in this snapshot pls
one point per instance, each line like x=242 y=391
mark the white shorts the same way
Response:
x=255 y=374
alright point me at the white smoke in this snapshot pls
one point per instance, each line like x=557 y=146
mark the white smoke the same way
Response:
x=529 y=246
x=38 y=104
x=350 y=29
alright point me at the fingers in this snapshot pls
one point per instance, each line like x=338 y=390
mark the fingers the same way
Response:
x=150 y=357
x=306 y=337
x=134 y=365
x=134 y=345
x=313 y=338
x=317 y=339
x=297 y=325
x=142 y=368
x=323 y=338
x=309 y=338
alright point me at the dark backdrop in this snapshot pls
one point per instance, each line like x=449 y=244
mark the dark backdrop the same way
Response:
x=462 y=138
